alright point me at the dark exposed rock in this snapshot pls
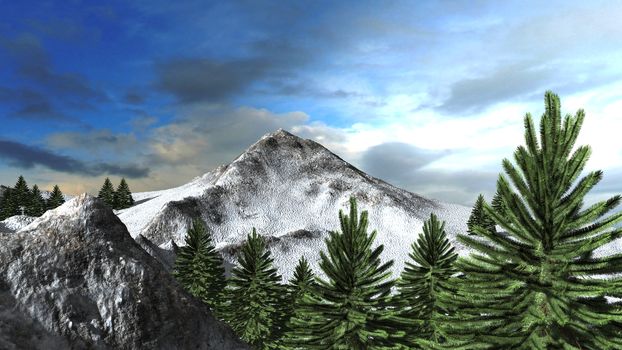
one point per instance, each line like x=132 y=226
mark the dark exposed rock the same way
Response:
x=75 y=279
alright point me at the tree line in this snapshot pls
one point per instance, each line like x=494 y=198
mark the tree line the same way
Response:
x=534 y=285
x=21 y=200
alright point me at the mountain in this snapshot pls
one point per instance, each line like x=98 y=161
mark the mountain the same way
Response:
x=75 y=279
x=290 y=189
x=15 y=223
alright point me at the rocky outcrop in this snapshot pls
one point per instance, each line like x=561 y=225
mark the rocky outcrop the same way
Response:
x=75 y=279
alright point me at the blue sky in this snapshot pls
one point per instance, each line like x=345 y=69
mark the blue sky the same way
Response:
x=427 y=95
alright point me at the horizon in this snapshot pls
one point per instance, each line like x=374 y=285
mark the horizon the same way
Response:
x=429 y=97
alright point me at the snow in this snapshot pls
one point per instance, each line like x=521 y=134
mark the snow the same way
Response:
x=16 y=223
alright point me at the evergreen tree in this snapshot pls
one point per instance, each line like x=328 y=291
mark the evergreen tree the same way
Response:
x=37 y=204
x=56 y=198
x=255 y=307
x=106 y=193
x=123 y=196
x=300 y=287
x=7 y=204
x=539 y=286
x=497 y=204
x=350 y=309
x=21 y=196
x=199 y=267
x=479 y=217
x=423 y=281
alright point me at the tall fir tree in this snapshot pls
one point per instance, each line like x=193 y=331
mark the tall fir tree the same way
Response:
x=300 y=287
x=351 y=308
x=123 y=196
x=479 y=217
x=7 y=204
x=498 y=205
x=199 y=267
x=256 y=308
x=21 y=196
x=56 y=198
x=424 y=279
x=539 y=286
x=37 y=204
x=106 y=193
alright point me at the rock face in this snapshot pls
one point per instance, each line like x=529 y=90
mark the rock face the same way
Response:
x=75 y=279
x=291 y=190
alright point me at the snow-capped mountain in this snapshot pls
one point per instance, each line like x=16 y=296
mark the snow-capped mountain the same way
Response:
x=291 y=190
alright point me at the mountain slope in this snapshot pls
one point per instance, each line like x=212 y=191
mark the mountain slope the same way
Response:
x=291 y=190
x=74 y=278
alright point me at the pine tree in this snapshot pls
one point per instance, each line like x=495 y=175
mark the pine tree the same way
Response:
x=497 y=204
x=199 y=267
x=123 y=196
x=7 y=204
x=423 y=281
x=350 y=309
x=256 y=296
x=538 y=286
x=106 y=193
x=56 y=198
x=22 y=196
x=37 y=204
x=300 y=287
x=479 y=217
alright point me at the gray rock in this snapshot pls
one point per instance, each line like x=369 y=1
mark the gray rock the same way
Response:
x=75 y=279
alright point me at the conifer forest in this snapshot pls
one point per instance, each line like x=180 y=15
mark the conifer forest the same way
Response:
x=531 y=280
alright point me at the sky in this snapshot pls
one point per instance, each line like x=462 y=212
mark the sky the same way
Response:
x=429 y=96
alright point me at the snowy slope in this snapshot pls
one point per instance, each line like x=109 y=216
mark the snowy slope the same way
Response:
x=15 y=223
x=291 y=190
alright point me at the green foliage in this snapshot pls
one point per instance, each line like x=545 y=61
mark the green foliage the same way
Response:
x=8 y=206
x=300 y=287
x=479 y=217
x=350 y=309
x=498 y=205
x=37 y=204
x=256 y=309
x=56 y=198
x=106 y=193
x=123 y=196
x=538 y=285
x=199 y=267
x=21 y=196
x=423 y=281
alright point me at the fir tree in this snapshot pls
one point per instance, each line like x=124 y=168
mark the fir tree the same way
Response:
x=423 y=280
x=37 y=203
x=497 y=204
x=123 y=196
x=479 y=217
x=300 y=287
x=106 y=193
x=56 y=198
x=538 y=286
x=21 y=196
x=7 y=204
x=255 y=307
x=199 y=267
x=350 y=309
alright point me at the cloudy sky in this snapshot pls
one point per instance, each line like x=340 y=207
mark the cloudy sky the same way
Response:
x=427 y=95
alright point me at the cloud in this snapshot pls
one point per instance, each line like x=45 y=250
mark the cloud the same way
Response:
x=34 y=64
x=96 y=142
x=26 y=157
x=30 y=104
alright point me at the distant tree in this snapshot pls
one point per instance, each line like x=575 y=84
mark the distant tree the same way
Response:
x=299 y=287
x=7 y=204
x=256 y=295
x=479 y=217
x=37 y=204
x=351 y=308
x=123 y=196
x=199 y=267
x=497 y=204
x=106 y=193
x=425 y=278
x=56 y=198
x=21 y=196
